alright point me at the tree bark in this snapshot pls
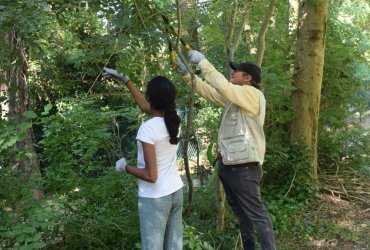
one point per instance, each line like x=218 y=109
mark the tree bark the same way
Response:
x=18 y=104
x=193 y=25
x=309 y=66
x=189 y=131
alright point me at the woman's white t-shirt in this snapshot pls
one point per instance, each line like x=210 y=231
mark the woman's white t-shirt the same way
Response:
x=154 y=131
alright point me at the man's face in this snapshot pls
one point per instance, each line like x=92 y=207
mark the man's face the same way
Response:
x=239 y=77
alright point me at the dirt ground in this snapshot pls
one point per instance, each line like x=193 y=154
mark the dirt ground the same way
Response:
x=349 y=216
x=345 y=200
x=349 y=226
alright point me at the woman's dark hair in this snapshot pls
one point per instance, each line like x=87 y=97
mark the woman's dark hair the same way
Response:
x=161 y=94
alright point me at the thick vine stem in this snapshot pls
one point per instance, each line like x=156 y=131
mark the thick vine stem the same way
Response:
x=189 y=129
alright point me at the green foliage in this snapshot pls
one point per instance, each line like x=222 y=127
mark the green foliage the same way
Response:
x=295 y=179
x=25 y=224
x=14 y=188
x=201 y=225
x=26 y=234
x=79 y=135
x=340 y=99
x=343 y=149
x=206 y=122
x=192 y=241
x=12 y=133
x=290 y=189
x=78 y=142
x=102 y=213
x=14 y=130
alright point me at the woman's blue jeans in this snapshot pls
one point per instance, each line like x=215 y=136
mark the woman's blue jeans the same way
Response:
x=161 y=222
x=241 y=184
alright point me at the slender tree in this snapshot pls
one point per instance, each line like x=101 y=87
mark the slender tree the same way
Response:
x=262 y=33
x=232 y=37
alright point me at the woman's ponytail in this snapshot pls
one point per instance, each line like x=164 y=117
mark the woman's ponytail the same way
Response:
x=172 y=121
x=161 y=94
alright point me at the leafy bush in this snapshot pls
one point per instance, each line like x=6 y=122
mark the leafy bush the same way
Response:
x=28 y=228
x=102 y=213
x=192 y=240
x=81 y=140
x=341 y=149
x=25 y=224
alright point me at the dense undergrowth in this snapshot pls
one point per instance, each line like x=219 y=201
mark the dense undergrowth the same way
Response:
x=102 y=214
x=89 y=206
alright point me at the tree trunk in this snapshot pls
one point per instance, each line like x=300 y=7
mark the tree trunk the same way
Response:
x=18 y=104
x=190 y=107
x=193 y=25
x=308 y=76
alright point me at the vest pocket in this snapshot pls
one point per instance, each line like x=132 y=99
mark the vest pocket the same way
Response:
x=237 y=150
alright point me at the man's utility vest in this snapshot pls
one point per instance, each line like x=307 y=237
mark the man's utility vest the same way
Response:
x=241 y=138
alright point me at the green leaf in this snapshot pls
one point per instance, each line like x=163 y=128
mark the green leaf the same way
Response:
x=14 y=233
x=27 y=247
x=47 y=108
x=24 y=125
x=8 y=143
x=21 y=237
x=28 y=229
x=30 y=114
x=37 y=237
x=38 y=245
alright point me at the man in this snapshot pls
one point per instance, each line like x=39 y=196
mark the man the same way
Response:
x=241 y=141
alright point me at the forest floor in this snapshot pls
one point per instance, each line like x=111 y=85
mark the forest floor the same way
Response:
x=350 y=220
x=339 y=218
x=341 y=211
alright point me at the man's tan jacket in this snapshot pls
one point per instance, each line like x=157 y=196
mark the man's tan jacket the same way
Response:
x=241 y=137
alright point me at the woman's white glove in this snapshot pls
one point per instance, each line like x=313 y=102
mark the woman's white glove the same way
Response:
x=112 y=73
x=195 y=56
x=121 y=165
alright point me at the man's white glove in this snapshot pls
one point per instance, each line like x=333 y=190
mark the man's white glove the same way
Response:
x=180 y=67
x=121 y=165
x=195 y=56
x=112 y=73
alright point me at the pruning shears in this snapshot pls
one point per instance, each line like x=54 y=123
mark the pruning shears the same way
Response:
x=171 y=30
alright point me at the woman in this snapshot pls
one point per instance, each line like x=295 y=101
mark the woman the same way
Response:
x=160 y=185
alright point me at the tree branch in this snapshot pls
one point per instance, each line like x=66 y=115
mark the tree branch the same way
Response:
x=262 y=33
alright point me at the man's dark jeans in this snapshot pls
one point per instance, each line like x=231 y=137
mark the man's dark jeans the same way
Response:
x=241 y=184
